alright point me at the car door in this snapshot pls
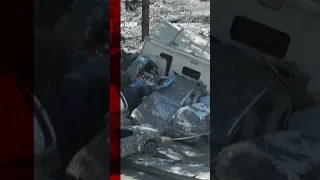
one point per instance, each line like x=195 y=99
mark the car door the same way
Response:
x=128 y=142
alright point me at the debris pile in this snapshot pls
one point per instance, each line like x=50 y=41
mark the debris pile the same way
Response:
x=173 y=103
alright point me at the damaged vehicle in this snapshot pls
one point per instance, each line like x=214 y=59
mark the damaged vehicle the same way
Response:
x=140 y=89
x=138 y=139
x=135 y=93
x=144 y=69
x=171 y=49
x=191 y=124
x=161 y=105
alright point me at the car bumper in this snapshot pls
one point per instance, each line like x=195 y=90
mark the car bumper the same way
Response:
x=178 y=134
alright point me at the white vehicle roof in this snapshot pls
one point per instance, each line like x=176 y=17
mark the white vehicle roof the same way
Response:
x=178 y=38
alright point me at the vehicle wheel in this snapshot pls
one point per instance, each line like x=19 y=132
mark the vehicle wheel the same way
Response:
x=202 y=141
x=150 y=148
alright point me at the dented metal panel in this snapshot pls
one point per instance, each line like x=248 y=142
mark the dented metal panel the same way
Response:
x=285 y=155
x=155 y=110
x=190 y=121
x=164 y=103
x=178 y=89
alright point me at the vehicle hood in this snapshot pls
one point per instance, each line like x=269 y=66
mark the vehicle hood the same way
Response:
x=156 y=111
x=193 y=119
x=146 y=131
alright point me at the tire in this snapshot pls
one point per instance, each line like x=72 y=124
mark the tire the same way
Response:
x=150 y=148
x=202 y=141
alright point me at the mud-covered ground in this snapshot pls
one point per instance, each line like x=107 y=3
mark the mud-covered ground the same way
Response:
x=190 y=160
x=194 y=13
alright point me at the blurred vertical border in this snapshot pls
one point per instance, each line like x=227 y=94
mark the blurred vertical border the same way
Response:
x=115 y=55
x=16 y=73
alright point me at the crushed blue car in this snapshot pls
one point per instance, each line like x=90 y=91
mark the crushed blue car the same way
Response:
x=162 y=104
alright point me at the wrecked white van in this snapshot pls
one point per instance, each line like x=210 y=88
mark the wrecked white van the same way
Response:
x=173 y=50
